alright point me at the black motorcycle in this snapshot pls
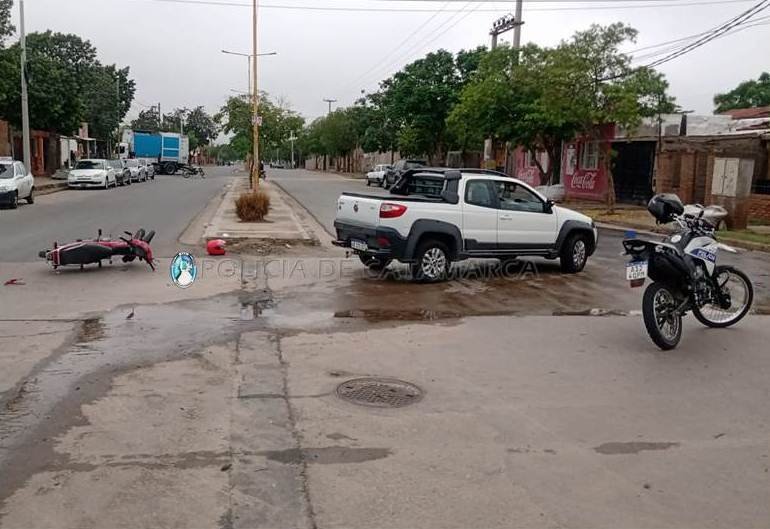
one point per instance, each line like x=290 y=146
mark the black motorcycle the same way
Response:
x=685 y=275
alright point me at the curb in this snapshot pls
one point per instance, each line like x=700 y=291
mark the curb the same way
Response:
x=213 y=230
x=49 y=189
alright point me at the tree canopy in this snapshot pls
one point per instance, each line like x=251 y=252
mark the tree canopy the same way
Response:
x=67 y=85
x=748 y=94
x=278 y=122
x=538 y=97
x=6 y=28
x=408 y=113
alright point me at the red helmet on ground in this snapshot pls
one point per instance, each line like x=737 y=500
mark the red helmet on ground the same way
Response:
x=216 y=247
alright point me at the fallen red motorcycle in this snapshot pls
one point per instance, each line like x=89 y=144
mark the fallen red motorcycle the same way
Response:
x=94 y=251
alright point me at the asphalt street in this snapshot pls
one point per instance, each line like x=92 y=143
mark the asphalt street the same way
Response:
x=318 y=192
x=166 y=205
x=602 y=283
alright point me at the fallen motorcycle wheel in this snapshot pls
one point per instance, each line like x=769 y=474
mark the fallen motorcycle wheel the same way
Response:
x=663 y=323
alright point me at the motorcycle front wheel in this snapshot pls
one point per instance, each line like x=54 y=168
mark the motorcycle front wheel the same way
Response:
x=739 y=294
x=663 y=325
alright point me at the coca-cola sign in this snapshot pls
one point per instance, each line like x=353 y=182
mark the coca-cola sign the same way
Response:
x=584 y=181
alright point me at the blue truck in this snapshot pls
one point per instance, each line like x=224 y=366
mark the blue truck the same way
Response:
x=169 y=151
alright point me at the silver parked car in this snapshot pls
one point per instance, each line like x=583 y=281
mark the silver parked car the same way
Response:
x=148 y=167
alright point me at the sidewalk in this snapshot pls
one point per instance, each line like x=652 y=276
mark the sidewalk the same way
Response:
x=636 y=217
x=45 y=185
x=281 y=224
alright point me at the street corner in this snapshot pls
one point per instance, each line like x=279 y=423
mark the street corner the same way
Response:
x=149 y=441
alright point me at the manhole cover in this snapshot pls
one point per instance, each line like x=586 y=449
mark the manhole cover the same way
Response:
x=379 y=392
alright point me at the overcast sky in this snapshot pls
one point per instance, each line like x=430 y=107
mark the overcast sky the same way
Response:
x=173 y=49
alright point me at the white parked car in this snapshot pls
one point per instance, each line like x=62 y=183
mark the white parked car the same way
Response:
x=434 y=217
x=377 y=174
x=93 y=173
x=16 y=183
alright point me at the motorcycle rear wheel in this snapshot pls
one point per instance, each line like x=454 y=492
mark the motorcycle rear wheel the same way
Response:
x=717 y=317
x=664 y=328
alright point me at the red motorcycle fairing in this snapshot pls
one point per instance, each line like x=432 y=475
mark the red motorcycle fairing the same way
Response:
x=97 y=250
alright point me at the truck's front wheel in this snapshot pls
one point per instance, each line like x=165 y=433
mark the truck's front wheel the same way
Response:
x=574 y=254
x=432 y=262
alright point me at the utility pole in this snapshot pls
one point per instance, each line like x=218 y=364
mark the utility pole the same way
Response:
x=292 y=139
x=330 y=101
x=255 y=102
x=500 y=26
x=160 y=118
x=517 y=28
x=24 y=95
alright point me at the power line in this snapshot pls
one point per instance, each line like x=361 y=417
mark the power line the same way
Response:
x=635 y=4
x=737 y=21
x=437 y=31
x=378 y=64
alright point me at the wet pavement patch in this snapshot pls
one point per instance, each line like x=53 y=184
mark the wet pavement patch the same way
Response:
x=330 y=455
x=379 y=392
x=375 y=315
x=633 y=447
x=591 y=312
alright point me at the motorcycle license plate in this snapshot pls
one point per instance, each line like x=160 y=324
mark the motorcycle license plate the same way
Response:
x=636 y=272
x=358 y=245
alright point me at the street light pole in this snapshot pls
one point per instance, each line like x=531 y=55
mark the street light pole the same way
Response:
x=292 y=139
x=24 y=94
x=255 y=103
x=248 y=58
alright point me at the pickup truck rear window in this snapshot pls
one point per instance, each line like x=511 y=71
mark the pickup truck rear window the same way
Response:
x=427 y=186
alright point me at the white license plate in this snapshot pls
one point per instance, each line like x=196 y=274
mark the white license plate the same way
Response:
x=359 y=245
x=636 y=270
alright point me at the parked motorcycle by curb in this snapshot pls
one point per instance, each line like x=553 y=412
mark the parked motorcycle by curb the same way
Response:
x=685 y=275
x=94 y=251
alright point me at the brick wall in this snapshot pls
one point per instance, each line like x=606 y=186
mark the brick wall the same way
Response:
x=759 y=207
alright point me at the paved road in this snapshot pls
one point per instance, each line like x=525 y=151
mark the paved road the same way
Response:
x=318 y=192
x=166 y=205
x=602 y=282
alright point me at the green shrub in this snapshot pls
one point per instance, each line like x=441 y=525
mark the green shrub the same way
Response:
x=252 y=206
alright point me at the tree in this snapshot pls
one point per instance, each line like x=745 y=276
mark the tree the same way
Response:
x=148 y=120
x=278 y=122
x=748 y=94
x=540 y=97
x=418 y=99
x=67 y=85
x=6 y=28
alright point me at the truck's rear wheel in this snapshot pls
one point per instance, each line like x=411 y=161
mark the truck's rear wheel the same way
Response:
x=432 y=262
x=169 y=168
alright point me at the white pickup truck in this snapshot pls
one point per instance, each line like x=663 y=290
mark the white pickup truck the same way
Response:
x=436 y=216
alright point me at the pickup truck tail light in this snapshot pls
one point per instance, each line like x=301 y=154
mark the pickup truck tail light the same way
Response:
x=391 y=211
